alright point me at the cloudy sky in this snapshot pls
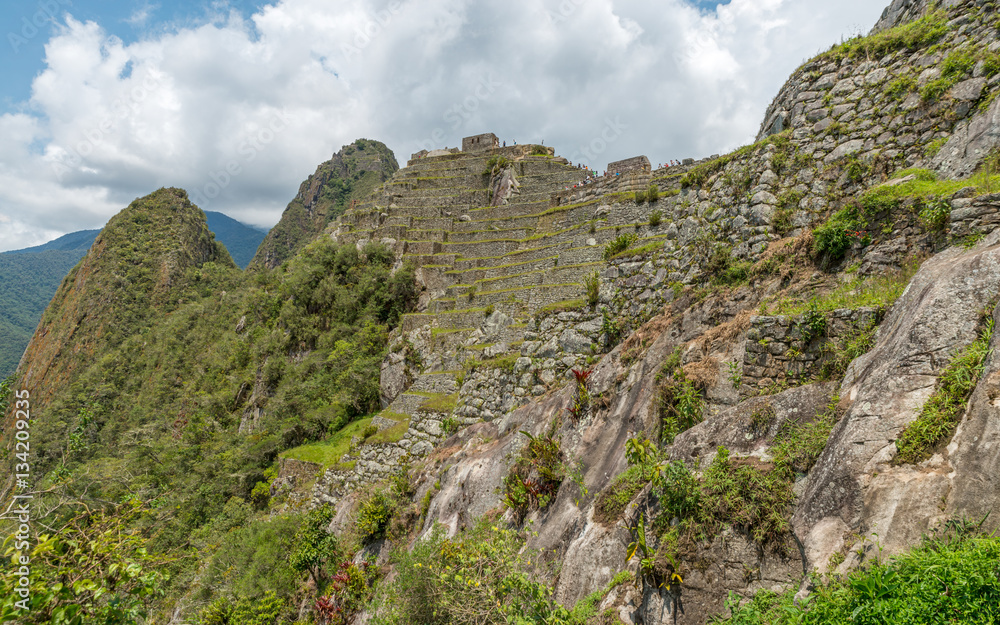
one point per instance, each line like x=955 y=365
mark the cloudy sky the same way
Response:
x=238 y=101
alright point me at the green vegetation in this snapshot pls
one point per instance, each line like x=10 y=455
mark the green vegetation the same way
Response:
x=480 y=577
x=621 y=243
x=879 y=291
x=941 y=413
x=901 y=87
x=701 y=174
x=655 y=218
x=679 y=403
x=496 y=164
x=592 y=284
x=836 y=235
x=27 y=283
x=95 y=570
x=752 y=496
x=286 y=360
x=374 y=514
x=612 y=501
x=948 y=578
x=726 y=270
x=908 y=37
x=536 y=473
x=843 y=352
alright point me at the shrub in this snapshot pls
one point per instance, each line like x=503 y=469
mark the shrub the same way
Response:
x=592 y=284
x=832 y=239
x=936 y=88
x=480 y=577
x=901 y=87
x=941 y=413
x=750 y=495
x=374 y=515
x=244 y=611
x=536 y=474
x=951 y=574
x=846 y=350
x=935 y=215
x=621 y=243
x=314 y=546
x=639 y=197
x=655 y=219
x=612 y=501
x=496 y=164
x=653 y=193
x=911 y=37
x=679 y=402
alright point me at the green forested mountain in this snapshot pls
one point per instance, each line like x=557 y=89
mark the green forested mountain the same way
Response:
x=30 y=276
x=175 y=385
x=352 y=174
x=240 y=239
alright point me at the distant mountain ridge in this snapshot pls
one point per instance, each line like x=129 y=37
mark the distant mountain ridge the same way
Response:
x=30 y=276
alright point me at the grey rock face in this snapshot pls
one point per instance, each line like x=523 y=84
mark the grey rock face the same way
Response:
x=853 y=485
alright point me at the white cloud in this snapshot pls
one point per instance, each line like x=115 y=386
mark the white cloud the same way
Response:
x=239 y=111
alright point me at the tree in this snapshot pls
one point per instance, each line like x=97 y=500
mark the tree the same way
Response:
x=315 y=547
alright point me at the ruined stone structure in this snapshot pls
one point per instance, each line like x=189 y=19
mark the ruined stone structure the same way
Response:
x=637 y=163
x=476 y=143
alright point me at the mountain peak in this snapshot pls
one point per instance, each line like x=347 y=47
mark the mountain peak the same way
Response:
x=351 y=174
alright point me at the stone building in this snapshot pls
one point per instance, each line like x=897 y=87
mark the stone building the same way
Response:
x=480 y=142
x=638 y=163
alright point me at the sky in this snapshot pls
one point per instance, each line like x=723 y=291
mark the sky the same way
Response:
x=238 y=101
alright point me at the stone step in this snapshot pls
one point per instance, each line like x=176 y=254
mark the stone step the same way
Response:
x=469 y=318
x=441 y=382
x=407 y=403
x=579 y=255
x=532 y=297
x=489 y=235
x=431 y=260
x=554 y=275
x=471 y=276
x=515 y=257
x=435 y=223
x=401 y=220
x=423 y=248
x=424 y=235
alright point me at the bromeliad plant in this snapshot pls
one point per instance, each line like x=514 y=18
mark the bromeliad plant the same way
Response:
x=535 y=476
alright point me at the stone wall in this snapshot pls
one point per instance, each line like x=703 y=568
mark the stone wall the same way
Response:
x=380 y=461
x=637 y=163
x=780 y=348
x=975 y=216
x=480 y=142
